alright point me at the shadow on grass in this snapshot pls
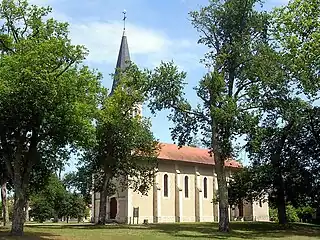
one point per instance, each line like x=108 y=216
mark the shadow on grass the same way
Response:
x=244 y=230
x=5 y=235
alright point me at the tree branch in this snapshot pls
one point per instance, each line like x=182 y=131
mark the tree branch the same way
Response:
x=65 y=69
x=5 y=47
x=198 y=114
x=214 y=44
x=241 y=88
x=26 y=26
x=30 y=157
x=12 y=28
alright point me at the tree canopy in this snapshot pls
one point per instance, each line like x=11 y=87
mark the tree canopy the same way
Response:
x=235 y=34
x=47 y=97
x=286 y=100
x=125 y=152
x=54 y=201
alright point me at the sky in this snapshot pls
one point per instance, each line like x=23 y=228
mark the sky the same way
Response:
x=156 y=30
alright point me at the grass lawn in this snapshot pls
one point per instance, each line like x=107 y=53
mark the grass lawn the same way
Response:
x=199 y=231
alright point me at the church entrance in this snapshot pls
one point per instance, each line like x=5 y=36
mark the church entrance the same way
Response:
x=113 y=208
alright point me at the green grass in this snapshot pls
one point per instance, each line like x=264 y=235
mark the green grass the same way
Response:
x=199 y=231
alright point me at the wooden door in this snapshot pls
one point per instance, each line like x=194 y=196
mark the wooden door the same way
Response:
x=113 y=208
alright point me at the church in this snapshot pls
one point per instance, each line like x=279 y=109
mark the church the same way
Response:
x=185 y=186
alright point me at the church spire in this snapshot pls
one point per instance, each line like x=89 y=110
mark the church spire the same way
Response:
x=123 y=56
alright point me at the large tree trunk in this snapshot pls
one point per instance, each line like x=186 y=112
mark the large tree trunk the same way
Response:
x=278 y=181
x=281 y=204
x=21 y=177
x=5 y=213
x=18 y=211
x=103 y=201
x=223 y=193
x=280 y=191
x=102 y=208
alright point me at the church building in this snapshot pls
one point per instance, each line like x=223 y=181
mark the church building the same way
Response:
x=185 y=187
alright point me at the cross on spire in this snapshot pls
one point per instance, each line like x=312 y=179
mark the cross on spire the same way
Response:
x=124 y=19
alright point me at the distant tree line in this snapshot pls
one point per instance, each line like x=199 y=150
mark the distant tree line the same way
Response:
x=56 y=203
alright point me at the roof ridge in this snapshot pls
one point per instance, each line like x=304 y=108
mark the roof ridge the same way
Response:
x=171 y=152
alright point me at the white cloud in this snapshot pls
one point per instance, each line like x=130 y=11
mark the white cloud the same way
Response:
x=103 y=41
x=147 y=46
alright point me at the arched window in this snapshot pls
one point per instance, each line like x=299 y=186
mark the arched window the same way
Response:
x=165 y=185
x=186 y=186
x=205 y=187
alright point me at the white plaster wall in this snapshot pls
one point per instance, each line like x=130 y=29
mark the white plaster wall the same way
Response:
x=145 y=205
x=260 y=210
x=167 y=208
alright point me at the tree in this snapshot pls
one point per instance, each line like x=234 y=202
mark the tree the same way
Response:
x=47 y=99
x=81 y=182
x=296 y=30
x=78 y=207
x=41 y=209
x=247 y=185
x=287 y=97
x=297 y=163
x=125 y=152
x=235 y=34
x=54 y=201
x=50 y=201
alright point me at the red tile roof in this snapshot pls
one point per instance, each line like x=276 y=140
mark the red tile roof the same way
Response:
x=190 y=154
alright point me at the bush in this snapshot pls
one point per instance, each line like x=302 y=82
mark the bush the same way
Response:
x=306 y=213
x=273 y=214
x=292 y=215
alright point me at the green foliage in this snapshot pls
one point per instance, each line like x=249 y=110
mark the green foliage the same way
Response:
x=235 y=34
x=41 y=209
x=78 y=207
x=292 y=214
x=246 y=185
x=260 y=64
x=80 y=181
x=125 y=147
x=306 y=213
x=48 y=99
x=286 y=141
x=273 y=214
x=54 y=201
x=297 y=31
x=50 y=202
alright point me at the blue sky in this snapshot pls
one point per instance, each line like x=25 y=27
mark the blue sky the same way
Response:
x=156 y=30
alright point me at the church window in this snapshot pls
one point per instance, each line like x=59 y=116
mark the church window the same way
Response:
x=205 y=187
x=186 y=186
x=260 y=203
x=165 y=185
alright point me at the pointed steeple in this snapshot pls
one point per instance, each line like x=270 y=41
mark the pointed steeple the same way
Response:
x=123 y=56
